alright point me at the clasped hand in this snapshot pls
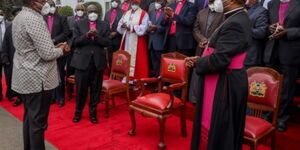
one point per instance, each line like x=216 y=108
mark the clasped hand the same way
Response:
x=169 y=11
x=277 y=31
x=64 y=46
x=92 y=32
x=190 y=61
x=125 y=26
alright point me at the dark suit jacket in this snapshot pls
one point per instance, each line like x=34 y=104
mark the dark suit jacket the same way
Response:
x=201 y=31
x=60 y=29
x=145 y=4
x=6 y=44
x=259 y=21
x=156 y=38
x=287 y=48
x=71 y=21
x=184 y=25
x=117 y=40
x=8 y=49
x=87 y=49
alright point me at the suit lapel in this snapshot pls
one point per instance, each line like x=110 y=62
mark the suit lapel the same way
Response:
x=293 y=4
x=55 y=22
x=205 y=16
x=276 y=10
x=184 y=7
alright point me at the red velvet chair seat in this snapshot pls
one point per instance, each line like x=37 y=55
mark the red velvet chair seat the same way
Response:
x=112 y=84
x=158 y=100
x=255 y=127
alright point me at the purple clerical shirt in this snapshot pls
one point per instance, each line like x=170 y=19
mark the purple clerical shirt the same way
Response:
x=93 y=26
x=177 y=11
x=113 y=15
x=50 y=23
x=282 y=11
x=159 y=12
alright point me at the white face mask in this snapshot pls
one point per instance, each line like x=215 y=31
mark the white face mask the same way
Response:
x=79 y=13
x=284 y=1
x=52 y=10
x=218 y=6
x=1 y=18
x=157 y=6
x=134 y=7
x=93 y=16
x=114 y=4
x=46 y=9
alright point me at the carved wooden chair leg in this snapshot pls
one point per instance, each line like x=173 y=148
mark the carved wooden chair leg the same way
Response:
x=162 y=122
x=113 y=101
x=273 y=138
x=183 y=122
x=132 y=117
x=106 y=106
x=253 y=146
x=128 y=96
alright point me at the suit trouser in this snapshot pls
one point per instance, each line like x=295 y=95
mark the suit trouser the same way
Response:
x=290 y=74
x=8 y=76
x=59 y=92
x=172 y=47
x=36 y=113
x=92 y=77
x=155 y=60
x=1 y=95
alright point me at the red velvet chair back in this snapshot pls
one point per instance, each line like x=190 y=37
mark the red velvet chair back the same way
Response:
x=173 y=68
x=120 y=63
x=264 y=89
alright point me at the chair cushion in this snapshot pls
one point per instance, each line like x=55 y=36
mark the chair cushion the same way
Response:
x=112 y=84
x=157 y=100
x=255 y=127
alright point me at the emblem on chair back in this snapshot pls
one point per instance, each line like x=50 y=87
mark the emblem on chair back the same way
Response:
x=263 y=89
x=120 y=63
x=173 y=68
x=258 y=89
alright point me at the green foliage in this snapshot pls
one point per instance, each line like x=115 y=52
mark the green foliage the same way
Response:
x=66 y=11
x=8 y=5
x=97 y=5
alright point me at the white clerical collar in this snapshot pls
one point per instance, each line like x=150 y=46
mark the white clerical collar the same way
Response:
x=240 y=8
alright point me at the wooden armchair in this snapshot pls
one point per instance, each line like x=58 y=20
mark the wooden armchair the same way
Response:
x=119 y=69
x=264 y=94
x=161 y=105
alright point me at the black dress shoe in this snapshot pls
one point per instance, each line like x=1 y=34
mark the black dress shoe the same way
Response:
x=17 y=102
x=94 y=120
x=61 y=104
x=53 y=101
x=281 y=126
x=76 y=119
x=10 y=99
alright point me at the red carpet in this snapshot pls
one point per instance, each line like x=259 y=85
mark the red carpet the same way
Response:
x=111 y=133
